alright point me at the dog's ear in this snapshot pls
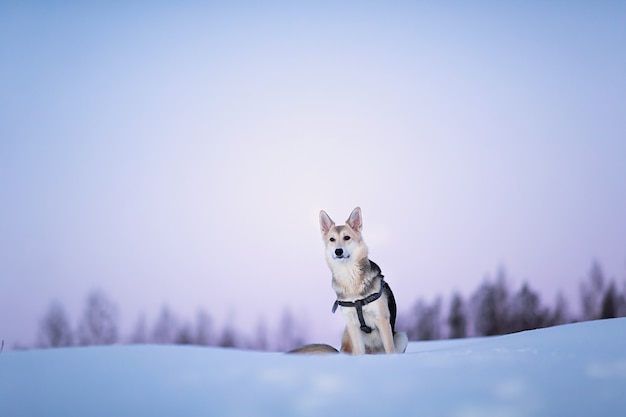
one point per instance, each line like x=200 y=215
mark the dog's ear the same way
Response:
x=355 y=221
x=325 y=222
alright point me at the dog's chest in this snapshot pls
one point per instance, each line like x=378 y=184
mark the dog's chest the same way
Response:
x=372 y=314
x=350 y=282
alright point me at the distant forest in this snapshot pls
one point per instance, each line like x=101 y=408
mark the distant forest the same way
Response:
x=492 y=309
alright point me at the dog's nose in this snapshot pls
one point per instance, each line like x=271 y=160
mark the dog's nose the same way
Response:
x=339 y=252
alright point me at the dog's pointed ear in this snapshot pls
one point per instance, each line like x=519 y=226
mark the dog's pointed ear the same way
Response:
x=325 y=222
x=355 y=221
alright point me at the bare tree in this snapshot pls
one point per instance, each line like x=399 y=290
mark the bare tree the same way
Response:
x=592 y=293
x=560 y=314
x=229 y=337
x=166 y=328
x=184 y=336
x=290 y=334
x=260 y=341
x=610 y=301
x=55 y=329
x=204 y=329
x=457 y=319
x=621 y=302
x=526 y=312
x=98 y=325
x=427 y=325
x=490 y=307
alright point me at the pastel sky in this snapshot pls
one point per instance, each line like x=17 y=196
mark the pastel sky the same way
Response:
x=180 y=154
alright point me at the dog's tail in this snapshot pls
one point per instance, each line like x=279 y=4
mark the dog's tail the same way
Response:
x=315 y=349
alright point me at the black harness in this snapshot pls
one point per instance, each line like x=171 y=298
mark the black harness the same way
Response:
x=358 y=304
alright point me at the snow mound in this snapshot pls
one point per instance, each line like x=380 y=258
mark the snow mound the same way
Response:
x=571 y=370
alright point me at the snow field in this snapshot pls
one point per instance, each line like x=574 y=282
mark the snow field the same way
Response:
x=571 y=370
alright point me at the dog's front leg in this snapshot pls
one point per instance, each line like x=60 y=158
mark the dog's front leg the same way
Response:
x=387 y=336
x=358 y=344
x=354 y=331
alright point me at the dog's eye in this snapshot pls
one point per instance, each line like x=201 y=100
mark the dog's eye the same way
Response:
x=332 y=239
x=346 y=238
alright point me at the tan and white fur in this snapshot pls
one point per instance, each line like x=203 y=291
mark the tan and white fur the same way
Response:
x=356 y=277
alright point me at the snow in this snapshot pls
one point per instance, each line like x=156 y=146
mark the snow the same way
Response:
x=571 y=370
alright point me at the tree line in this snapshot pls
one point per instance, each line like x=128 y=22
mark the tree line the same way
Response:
x=492 y=309
x=99 y=325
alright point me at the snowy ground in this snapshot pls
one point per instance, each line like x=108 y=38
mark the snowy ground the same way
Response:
x=572 y=370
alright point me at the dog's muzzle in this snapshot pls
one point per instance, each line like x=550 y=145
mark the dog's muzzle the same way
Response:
x=339 y=254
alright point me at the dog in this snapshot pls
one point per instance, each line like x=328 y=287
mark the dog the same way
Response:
x=366 y=300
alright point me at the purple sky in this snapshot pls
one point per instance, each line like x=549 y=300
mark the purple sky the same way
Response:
x=180 y=155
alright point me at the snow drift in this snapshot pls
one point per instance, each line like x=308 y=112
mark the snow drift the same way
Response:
x=570 y=370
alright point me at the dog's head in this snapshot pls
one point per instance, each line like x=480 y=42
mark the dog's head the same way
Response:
x=343 y=243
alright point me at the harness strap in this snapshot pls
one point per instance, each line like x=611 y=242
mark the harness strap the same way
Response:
x=358 y=304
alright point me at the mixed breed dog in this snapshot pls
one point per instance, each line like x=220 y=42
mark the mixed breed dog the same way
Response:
x=364 y=297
